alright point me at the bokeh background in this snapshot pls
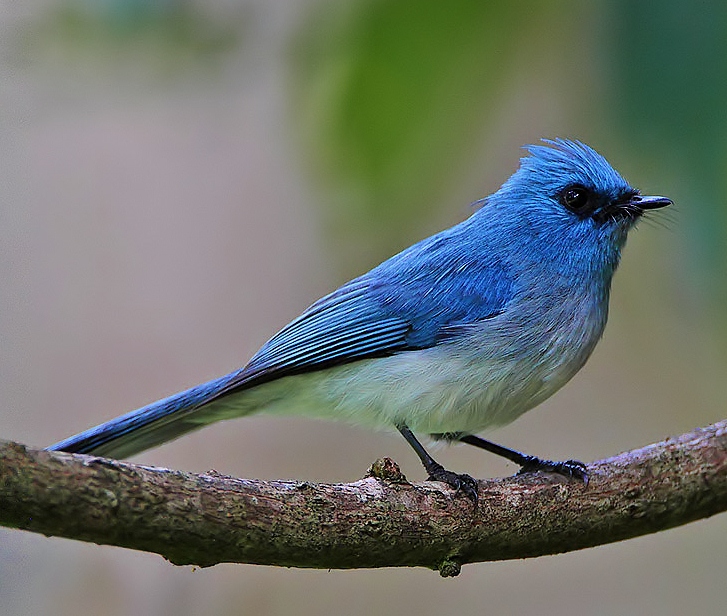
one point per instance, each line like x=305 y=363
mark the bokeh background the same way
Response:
x=181 y=178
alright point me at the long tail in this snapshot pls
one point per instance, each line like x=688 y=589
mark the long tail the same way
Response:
x=150 y=425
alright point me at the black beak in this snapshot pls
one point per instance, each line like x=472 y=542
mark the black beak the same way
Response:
x=648 y=203
x=630 y=207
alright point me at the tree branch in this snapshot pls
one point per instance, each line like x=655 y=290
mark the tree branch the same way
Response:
x=379 y=521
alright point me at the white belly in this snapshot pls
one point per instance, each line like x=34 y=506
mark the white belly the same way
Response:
x=448 y=388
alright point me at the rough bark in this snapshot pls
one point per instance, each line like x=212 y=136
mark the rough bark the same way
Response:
x=379 y=521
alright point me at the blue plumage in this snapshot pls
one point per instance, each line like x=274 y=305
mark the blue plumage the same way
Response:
x=382 y=312
x=464 y=330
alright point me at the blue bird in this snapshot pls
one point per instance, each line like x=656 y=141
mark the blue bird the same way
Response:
x=463 y=331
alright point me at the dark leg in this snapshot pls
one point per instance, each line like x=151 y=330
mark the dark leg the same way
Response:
x=569 y=468
x=436 y=471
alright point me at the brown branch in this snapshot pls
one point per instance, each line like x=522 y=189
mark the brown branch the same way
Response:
x=379 y=521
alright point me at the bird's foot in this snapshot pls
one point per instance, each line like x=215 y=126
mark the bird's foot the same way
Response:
x=570 y=468
x=461 y=482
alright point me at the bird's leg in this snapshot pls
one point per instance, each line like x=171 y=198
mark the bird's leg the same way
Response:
x=569 y=468
x=436 y=471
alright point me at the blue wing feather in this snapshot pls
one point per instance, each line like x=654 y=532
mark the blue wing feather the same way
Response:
x=381 y=312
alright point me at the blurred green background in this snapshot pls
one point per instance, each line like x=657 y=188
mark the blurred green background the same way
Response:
x=180 y=178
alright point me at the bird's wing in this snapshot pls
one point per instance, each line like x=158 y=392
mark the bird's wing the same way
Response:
x=346 y=325
x=410 y=302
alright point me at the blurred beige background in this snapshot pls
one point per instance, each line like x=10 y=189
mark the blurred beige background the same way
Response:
x=167 y=205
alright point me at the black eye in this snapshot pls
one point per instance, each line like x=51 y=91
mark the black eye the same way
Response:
x=576 y=199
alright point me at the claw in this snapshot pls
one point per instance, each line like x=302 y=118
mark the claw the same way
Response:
x=460 y=482
x=570 y=468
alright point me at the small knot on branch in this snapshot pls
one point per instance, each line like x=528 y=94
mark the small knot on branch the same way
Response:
x=449 y=568
x=387 y=470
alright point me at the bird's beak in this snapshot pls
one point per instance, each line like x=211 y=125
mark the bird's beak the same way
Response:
x=648 y=203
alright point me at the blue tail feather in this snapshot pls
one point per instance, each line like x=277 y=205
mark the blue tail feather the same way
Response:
x=149 y=426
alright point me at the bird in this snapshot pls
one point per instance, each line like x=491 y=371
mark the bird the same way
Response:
x=461 y=332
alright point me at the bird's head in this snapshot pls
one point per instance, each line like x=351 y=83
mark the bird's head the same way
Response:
x=567 y=186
